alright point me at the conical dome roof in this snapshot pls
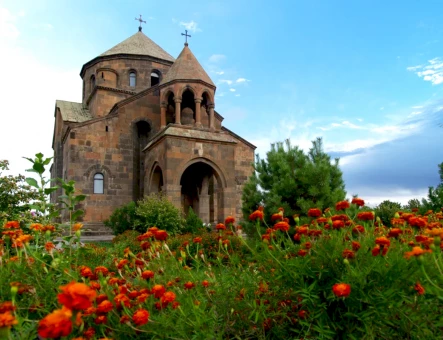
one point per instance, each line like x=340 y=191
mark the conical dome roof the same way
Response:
x=186 y=67
x=139 y=44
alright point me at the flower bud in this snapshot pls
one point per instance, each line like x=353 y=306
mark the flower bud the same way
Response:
x=437 y=241
x=397 y=215
x=78 y=233
x=346 y=262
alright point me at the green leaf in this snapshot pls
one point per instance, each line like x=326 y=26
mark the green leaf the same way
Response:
x=32 y=182
x=49 y=190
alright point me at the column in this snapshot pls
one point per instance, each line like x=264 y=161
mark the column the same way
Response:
x=211 y=117
x=198 y=119
x=204 y=200
x=163 y=115
x=177 y=111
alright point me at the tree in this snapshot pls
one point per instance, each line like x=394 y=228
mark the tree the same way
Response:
x=15 y=195
x=386 y=211
x=293 y=180
x=435 y=195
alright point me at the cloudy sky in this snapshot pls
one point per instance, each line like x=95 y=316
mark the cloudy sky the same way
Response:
x=365 y=76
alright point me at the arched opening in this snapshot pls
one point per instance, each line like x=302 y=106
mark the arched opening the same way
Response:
x=99 y=180
x=170 y=109
x=155 y=78
x=205 y=109
x=156 y=185
x=132 y=79
x=188 y=108
x=202 y=190
x=140 y=139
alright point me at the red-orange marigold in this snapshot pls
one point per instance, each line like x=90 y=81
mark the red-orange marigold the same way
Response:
x=7 y=320
x=256 y=215
x=358 y=201
x=342 y=205
x=229 y=220
x=314 y=212
x=76 y=296
x=341 y=289
x=140 y=317
x=56 y=324
x=365 y=216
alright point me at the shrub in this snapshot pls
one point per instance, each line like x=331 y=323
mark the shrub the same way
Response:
x=123 y=218
x=157 y=211
x=386 y=211
x=193 y=223
x=127 y=239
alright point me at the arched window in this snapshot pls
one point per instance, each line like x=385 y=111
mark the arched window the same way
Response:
x=132 y=79
x=155 y=78
x=98 y=183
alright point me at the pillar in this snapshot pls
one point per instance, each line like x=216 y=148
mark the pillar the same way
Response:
x=198 y=119
x=211 y=117
x=177 y=111
x=204 y=201
x=163 y=115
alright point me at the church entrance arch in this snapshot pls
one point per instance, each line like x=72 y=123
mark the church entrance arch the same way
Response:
x=202 y=190
x=140 y=133
x=156 y=181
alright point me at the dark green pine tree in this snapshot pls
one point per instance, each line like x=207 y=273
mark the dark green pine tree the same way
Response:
x=294 y=180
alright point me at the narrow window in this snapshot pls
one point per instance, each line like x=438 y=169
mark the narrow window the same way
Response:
x=98 y=183
x=92 y=82
x=155 y=78
x=132 y=79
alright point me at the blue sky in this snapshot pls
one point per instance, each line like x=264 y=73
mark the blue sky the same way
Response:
x=365 y=76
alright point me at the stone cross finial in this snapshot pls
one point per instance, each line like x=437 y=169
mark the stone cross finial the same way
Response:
x=186 y=37
x=140 y=20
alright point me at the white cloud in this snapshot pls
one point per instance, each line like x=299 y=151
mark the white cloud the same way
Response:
x=237 y=95
x=432 y=72
x=220 y=73
x=242 y=80
x=225 y=81
x=232 y=90
x=191 y=26
x=216 y=58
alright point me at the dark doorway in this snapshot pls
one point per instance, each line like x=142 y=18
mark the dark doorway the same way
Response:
x=140 y=139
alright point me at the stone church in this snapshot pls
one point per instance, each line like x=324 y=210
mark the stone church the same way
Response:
x=146 y=124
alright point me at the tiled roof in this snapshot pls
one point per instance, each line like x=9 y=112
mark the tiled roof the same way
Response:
x=186 y=67
x=73 y=112
x=139 y=44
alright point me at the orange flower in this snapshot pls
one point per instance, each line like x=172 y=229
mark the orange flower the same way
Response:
x=302 y=252
x=189 y=285
x=358 y=229
x=148 y=274
x=220 y=226
x=383 y=241
x=314 y=212
x=376 y=250
x=418 y=222
x=122 y=299
x=7 y=320
x=276 y=217
x=419 y=288
x=6 y=306
x=124 y=319
x=283 y=226
x=355 y=245
x=77 y=226
x=50 y=228
x=256 y=215
x=101 y=269
x=348 y=254
x=36 y=226
x=197 y=240
x=366 y=216
x=168 y=297
x=105 y=307
x=158 y=291
x=140 y=317
x=341 y=289
x=229 y=220
x=342 y=205
x=100 y=320
x=205 y=283
x=12 y=225
x=416 y=251
x=161 y=235
x=49 y=246
x=358 y=201
x=76 y=296
x=338 y=224
x=56 y=324
x=122 y=263
x=395 y=232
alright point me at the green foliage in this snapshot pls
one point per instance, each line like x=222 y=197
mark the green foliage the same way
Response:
x=15 y=196
x=193 y=223
x=157 y=211
x=123 y=218
x=296 y=181
x=386 y=211
x=127 y=239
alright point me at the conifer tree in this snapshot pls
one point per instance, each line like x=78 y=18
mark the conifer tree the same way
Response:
x=293 y=180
